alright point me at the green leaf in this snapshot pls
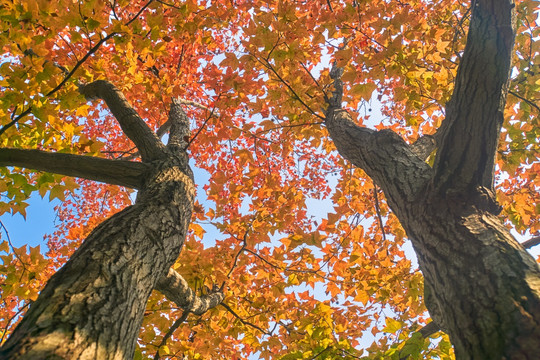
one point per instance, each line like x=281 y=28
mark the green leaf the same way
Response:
x=57 y=192
x=92 y=24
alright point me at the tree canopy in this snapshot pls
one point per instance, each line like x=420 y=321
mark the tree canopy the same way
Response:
x=255 y=79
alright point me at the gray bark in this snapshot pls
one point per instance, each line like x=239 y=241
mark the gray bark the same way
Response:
x=177 y=290
x=482 y=287
x=149 y=145
x=116 y=172
x=93 y=307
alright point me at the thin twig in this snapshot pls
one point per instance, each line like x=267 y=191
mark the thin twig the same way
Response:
x=15 y=120
x=228 y=308
x=113 y=6
x=11 y=319
x=75 y=68
x=320 y=352
x=244 y=245
x=525 y=99
x=180 y=60
x=313 y=78
x=168 y=4
x=80 y=62
x=269 y=66
x=200 y=129
x=59 y=86
x=329 y=6
x=169 y=333
x=140 y=12
x=13 y=248
x=378 y=210
x=288 y=126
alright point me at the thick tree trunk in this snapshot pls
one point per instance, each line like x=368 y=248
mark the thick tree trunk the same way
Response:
x=93 y=307
x=485 y=288
x=482 y=287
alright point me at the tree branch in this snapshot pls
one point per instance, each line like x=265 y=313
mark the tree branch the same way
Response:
x=150 y=147
x=474 y=114
x=269 y=66
x=429 y=329
x=179 y=133
x=59 y=86
x=242 y=320
x=176 y=289
x=378 y=211
x=532 y=242
x=167 y=125
x=525 y=99
x=8 y=322
x=383 y=155
x=172 y=329
x=80 y=62
x=10 y=244
x=15 y=119
x=117 y=172
x=69 y=74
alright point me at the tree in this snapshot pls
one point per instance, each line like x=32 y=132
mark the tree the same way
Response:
x=272 y=91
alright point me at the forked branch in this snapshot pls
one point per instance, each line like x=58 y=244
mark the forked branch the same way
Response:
x=383 y=155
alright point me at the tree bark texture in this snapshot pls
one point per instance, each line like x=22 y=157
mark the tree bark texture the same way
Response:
x=482 y=287
x=93 y=307
x=116 y=172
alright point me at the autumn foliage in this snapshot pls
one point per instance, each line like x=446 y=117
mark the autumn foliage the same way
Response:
x=312 y=261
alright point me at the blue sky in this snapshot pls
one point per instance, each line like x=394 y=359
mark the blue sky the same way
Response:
x=40 y=217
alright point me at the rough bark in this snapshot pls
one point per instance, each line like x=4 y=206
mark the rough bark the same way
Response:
x=116 y=172
x=131 y=123
x=485 y=287
x=92 y=308
x=482 y=287
x=177 y=290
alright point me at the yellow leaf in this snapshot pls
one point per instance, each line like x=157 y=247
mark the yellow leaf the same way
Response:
x=442 y=46
x=362 y=296
x=392 y=325
x=4 y=246
x=164 y=350
x=82 y=110
x=363 y=91
x=244 y=156
x=293 y=279
x=197 y=230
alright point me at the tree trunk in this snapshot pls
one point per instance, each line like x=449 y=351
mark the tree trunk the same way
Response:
x=93 y=307
x=482 y=287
